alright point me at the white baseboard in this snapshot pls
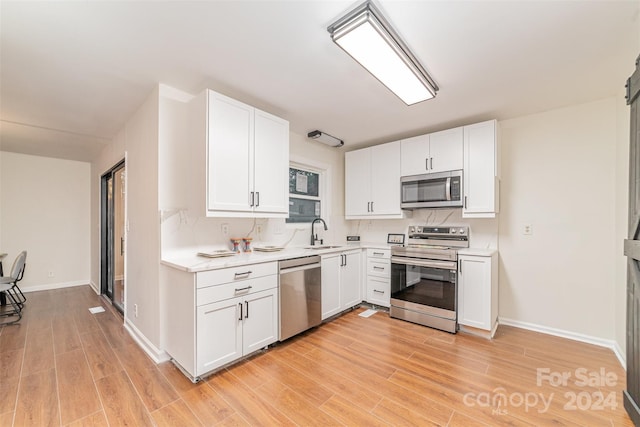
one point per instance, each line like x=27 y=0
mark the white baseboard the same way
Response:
x=610 y=344
x=621 y=355
x=154 y=352
x=95 y=287
x=50 y=286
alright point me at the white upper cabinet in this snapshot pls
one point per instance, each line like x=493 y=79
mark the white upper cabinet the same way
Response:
x=480 y=186
x=414 y=155
x=247 y=157
x=435 y=152
x=271 y=164
x=372 y=182
x=230 y=128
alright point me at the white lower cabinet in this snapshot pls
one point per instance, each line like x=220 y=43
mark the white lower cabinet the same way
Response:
x=378 y=277
x=212 y=318
x=230 y=329
x=478 y=292
x=340 y=282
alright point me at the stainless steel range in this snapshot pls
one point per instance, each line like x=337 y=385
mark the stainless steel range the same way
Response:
x=423 y=276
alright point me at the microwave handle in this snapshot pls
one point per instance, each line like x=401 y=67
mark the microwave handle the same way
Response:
x=448 y=189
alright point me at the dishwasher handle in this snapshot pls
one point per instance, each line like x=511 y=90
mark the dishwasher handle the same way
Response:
x=300 y=268
x=306 y=262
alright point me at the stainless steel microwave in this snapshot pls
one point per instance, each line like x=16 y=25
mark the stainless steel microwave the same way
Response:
x=434 y=190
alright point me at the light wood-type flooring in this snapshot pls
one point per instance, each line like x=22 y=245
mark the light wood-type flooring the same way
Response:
x=64 y=366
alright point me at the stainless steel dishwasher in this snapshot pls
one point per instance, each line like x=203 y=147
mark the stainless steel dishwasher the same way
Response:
x=300 y=295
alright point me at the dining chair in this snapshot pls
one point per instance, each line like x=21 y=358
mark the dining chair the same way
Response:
x=17 y=272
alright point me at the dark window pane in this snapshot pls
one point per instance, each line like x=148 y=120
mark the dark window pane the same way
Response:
x=303 y=182
x=303 y=210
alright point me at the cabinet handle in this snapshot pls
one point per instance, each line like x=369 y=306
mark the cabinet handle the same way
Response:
x=378 y=268
x=431 y=164
x=378 y=253
x=246 y=315
x=257 y=199
x=377 y=291
x=465 y=202
x=371 y=206
x=246 y=288
x=460 y=266
x=242 y=275
x=240 y=304
x=251 y=197
x=426 y=163
x=368 y=206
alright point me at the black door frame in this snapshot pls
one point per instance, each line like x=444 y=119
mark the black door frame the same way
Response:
x=106 y=231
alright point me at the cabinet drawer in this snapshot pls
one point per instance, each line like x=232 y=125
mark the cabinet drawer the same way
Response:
x=380 y=268
x=379 y=253
x=231 y=290
x=235 y=274
x=378 y=291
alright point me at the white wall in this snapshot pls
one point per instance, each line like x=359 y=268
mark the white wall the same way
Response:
x=45 y=209
x=622 y=221
x=559 y=175
x=138 y=143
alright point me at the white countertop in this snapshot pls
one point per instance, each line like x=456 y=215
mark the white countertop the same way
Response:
x=477 y=251
x=195 y=263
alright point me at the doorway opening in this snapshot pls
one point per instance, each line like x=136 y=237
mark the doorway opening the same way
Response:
x=112 y=233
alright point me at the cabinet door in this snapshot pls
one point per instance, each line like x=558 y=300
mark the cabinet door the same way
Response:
x=414 y=155
x=445 y=150
x=357 y=182
x=385 y=179
x=379 y=291
x=260 y=324
x=230 y=137
x=271 y=164
x=480 y=147
x=350 y=294
x=474 y=292
x=330 y=285
x=219 y=334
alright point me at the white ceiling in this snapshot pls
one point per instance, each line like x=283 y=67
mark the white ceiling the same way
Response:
x=73 y=72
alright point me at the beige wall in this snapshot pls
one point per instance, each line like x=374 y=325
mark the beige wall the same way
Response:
x=44 y=209
x=559 y=175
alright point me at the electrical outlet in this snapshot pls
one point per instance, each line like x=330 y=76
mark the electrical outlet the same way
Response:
x=135 y=310
x=259 y=228
x=51 y=274
x=527 y=229
x=225 y=229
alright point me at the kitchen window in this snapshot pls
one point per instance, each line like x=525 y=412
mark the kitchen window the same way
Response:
x=305 y=194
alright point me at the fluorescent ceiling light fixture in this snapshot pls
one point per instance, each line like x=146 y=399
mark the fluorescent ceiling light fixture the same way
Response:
x=325 y=138
x=369 y=39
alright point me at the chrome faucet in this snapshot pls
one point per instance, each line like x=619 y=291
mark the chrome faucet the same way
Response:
x=314 y=237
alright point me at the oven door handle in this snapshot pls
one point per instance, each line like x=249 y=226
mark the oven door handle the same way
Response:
x=445 y=265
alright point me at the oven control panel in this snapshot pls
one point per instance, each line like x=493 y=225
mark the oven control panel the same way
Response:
x=438 y=231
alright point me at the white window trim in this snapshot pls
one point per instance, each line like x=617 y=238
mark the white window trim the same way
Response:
x=325 y=172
